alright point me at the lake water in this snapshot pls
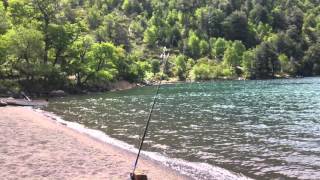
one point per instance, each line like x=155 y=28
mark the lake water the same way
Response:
x=262 y=129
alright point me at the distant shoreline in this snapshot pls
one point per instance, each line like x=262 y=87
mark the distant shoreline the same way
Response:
x=125 y=85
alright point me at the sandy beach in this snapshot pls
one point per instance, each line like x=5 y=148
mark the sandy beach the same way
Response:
x=33 y=146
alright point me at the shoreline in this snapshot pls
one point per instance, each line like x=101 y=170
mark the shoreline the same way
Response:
x=125 y=85
x=44 y=146
x=34 y=145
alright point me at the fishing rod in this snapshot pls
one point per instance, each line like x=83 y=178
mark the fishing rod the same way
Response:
x=133 y=176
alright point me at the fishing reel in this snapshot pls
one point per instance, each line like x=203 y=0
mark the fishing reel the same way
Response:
x=138 y=176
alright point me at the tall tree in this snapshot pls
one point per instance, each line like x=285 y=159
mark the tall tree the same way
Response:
x=46 y=11
x=236 y=28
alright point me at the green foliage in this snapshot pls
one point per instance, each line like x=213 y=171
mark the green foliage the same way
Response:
x=155 y=66
x=204 y=47
x=286 y=65
x=4 y=24
x=266 y=61
x=233 y=55
x=113 y=31
x=210 y=20
x=151 y=36
x=180 y=67
x=94 y=18
x=219 y=48
x=24 y=45
x=248 y=63
x=131 y=6
x=194 y=45
x=105 y=59
x=206 y=70
x=79 y=65
x=311 y=61
x=55 y=43
x=236 y=27
x=259 y=14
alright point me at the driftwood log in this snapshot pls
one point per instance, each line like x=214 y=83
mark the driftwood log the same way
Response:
x=22 y=102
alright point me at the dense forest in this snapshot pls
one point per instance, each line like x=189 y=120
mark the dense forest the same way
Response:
x=85 y=44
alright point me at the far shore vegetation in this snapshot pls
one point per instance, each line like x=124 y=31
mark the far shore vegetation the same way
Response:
x=84 y=45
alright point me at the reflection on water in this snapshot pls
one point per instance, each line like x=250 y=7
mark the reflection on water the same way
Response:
x=262 y=129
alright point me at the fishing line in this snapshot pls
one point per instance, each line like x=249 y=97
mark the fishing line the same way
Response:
x=165 y=56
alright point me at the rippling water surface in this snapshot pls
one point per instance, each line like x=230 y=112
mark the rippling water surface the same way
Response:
x=262 y=129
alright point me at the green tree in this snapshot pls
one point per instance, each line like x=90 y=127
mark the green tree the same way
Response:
x=46 y=11
x=79 y=64
x=112 y=30
x=210 y=20
x=151 y=36
x=311 y=61
x=236 y=28
x=4 y=24
x=219 y=47
x=266 y=61
x=286 y=65
x=94 y=18
x=248 y=63
x=233 y=55
x=60 y=38
x=155 y=66
x=131 y=6
x=105 y=60
x=24 y=47
x=204 y=47
x=193 y=45
x=259 y=14
x=180 y=67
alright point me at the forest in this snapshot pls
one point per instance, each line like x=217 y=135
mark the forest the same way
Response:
x=86 y=44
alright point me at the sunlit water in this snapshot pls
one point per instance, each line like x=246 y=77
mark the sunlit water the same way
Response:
x=262 y=129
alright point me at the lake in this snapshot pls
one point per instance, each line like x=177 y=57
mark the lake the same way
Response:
x=262 y=129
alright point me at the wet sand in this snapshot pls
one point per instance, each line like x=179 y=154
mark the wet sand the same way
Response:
x=33 y=146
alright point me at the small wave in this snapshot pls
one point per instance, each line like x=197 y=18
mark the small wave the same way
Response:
x=192 y=169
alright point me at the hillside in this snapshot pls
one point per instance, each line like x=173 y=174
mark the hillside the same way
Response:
x=85 y=44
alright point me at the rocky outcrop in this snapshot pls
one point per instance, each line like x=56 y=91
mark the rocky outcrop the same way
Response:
x=3 y=103
x=121 y=85
x=57 y=93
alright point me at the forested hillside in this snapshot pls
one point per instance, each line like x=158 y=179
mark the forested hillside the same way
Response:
x=53 y=44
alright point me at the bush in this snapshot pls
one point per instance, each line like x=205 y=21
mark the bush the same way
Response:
x=205 y=70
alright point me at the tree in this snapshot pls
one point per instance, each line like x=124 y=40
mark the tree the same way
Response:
x=24 y=47
x=112 y=30
x=151 y=36
x=279 y=21
x=204 y=47
x=259 y=14
x=180 y=67
x=233 y=55
x=105 y=60
x=60 y=38
x=79 y=64
x=46 y=11
x=219 y=48
x=155 y=66
x=94 y=18
x=210 y=20
x=131 y=6
x=193 y=45
x=4 y=24
x=311 y=61
x=236 y=28
x=266 y=61
x=248 y=63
